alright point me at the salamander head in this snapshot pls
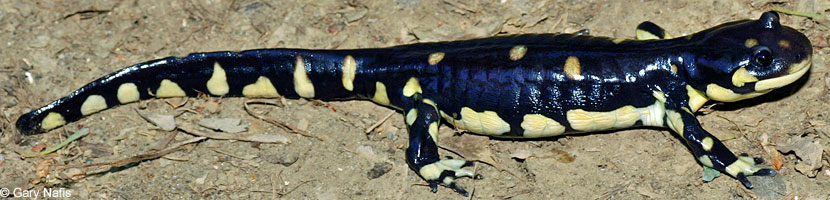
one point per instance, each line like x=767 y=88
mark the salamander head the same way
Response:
x=746 y=59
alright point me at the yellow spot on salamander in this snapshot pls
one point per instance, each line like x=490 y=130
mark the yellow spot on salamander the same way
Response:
x=675 y=122
x=742 y=76
x=380 y=96
x=573 y=69
x=696 y=98
x=660 y=96
x=718 y=93
x=261 y=88
x=517 y=52
x=674 y=68
x=744 y=165
x=751 y=42
x=429 y=102
x=645 y=35
x=302 y=84
x=796 y=71
x=433 y=131
x=704 y=159
x=587 y=121
x=448 y=180
x=486 y=122
x=784 y=44
x=433 y=171
x=51 y=121
x=536 y=125
x=218 y=83
x=349 y=70
x=92 y=104
x=127 y=92
x=653 y=115
x=168 y=88
x=411 y=116
x=412 y=86
x=618 y=40
x=707 y=143
x=435 y=58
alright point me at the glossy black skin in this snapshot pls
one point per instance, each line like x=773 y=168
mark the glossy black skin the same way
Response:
x=479 y=74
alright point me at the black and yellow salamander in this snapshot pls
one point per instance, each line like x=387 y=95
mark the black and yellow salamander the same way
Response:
x=521 y=86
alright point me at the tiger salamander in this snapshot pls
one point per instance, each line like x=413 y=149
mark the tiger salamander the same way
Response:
x=519 y=86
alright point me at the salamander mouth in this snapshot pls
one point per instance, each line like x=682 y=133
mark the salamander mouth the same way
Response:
x=796 y=71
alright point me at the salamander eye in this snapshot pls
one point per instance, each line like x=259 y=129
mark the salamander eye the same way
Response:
x=763 y=56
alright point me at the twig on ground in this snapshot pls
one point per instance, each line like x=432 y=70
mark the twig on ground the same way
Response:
x=275 y=122
x=374 y=126
x=225 y=136
x=141 y=157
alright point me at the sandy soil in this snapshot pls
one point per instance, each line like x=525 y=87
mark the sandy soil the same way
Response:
x=66 y=44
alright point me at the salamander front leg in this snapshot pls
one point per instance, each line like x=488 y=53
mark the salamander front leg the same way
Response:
x=422 y=154
x=711 y=152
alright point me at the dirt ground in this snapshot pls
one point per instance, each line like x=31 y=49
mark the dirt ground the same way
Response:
x=62 y=45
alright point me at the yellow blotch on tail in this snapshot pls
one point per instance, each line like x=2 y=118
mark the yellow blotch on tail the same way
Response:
x=128 y=92
x=92 y=104
x=302 y=84
x=349 y=70
x=261 y=88
x=51 y=121
x=169 y=88
x=218 y=82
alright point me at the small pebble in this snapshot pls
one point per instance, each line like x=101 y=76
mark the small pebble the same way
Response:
x=40 y=41
x=379 y=170
x=282 y=159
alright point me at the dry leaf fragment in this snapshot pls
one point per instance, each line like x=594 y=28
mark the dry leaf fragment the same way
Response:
x=228 y=125
x=164 y=122
x=776 y=159
x=303 y=124
x=808 y=150
x=472 y=147
x=211 y=106
x=38 y=148
x=522 y=154
x=42 y=170
x=563 y=156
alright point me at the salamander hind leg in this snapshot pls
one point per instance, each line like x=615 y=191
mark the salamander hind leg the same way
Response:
x=710 y=152
x=422 y=154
